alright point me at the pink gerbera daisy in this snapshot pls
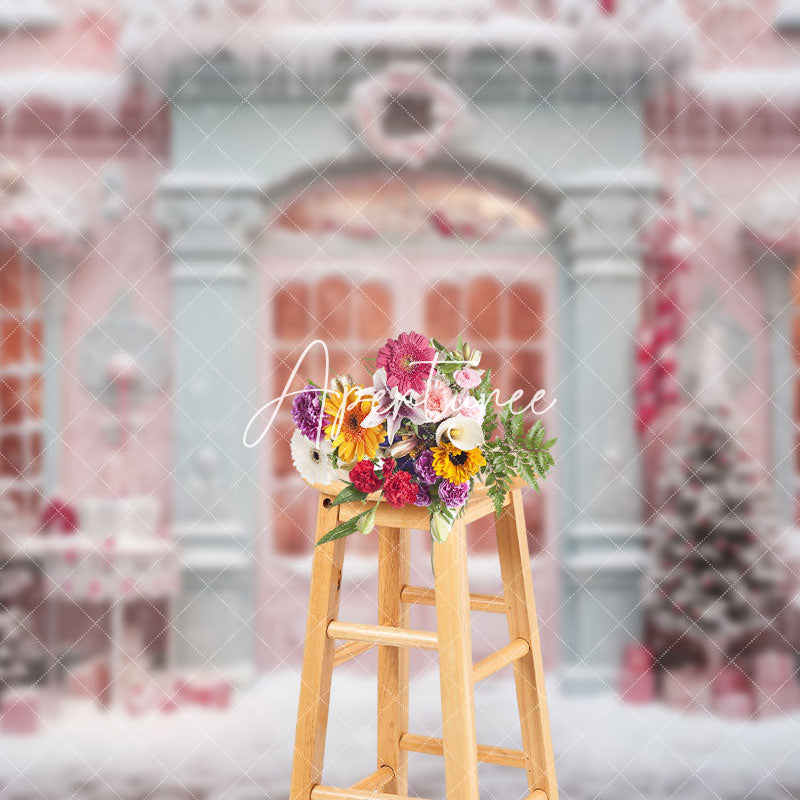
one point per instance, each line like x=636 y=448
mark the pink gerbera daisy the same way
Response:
x=405 y=361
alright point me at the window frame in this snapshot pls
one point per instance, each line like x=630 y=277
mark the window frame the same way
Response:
x=28 y=372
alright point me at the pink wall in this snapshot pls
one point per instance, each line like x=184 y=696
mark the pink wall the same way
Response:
x=127 y=258
x=715 y=208
x=737 y=34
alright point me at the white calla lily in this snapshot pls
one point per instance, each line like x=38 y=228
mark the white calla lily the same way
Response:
x=366 y=521
x=463 y=432
x=440 y=528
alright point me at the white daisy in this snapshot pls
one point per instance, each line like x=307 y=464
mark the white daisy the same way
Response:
x=312 y=462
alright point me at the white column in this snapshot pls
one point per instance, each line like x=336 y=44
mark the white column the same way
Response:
x=601 y=515
x=776 y=276
x=211 y=225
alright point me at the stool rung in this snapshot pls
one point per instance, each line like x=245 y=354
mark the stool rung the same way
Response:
x=514 y=651
x=376 y=782
x=537 y=795
x=332 y=793
x=503 y=756
x=343 y=654
x=477 y=602
x=382 y=634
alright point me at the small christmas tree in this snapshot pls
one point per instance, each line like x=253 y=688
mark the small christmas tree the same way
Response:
x=715 y=582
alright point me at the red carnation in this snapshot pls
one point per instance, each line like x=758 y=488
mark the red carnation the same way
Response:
x=388 y=466
x=364 y=478
x=399 y=490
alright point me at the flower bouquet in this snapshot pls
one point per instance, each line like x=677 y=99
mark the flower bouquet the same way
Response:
x=424 y=433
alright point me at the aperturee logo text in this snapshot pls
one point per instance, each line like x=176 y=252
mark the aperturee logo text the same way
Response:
x=424 y=433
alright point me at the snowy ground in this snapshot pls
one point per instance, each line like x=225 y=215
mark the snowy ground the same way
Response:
x=604 y=750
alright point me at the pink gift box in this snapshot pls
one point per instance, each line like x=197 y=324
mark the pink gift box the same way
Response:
x=637 y=678
x=89 y=679
x=774 y=667
x=734 y=705
x=777 y=687
x=147 y=698
x=206 y=692
x=687 y=688
x=20 y=712
x=731 y=680
x=732 y=694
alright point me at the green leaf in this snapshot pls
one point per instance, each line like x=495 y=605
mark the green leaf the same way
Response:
x=448 y=369
x=348 y=495
x=498 y=495
x=485 y=386
x=489 y=423
x=528 y=475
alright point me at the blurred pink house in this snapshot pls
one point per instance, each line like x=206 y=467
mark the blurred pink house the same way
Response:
x=193 y=191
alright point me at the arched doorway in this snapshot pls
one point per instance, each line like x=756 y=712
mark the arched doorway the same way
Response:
x=357 y=253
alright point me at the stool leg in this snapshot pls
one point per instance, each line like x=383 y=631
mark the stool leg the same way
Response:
x=455 y=665
x=393 y=575
x=512 y=545
x=315 y=685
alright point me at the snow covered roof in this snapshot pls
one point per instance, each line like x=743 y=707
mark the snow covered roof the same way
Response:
x=511 y=32
x=72 y=89
x=772 y=219
x=31 y=215
x=154 y=35
x=389 y=8
x=740 y=87
x=27 y=15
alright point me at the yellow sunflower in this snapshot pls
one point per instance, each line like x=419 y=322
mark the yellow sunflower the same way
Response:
x=347 y=411
x=457 y=466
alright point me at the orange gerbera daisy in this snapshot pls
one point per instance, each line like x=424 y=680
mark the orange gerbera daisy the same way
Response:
x=347 y=410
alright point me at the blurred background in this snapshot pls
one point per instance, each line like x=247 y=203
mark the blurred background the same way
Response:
x=603 y=196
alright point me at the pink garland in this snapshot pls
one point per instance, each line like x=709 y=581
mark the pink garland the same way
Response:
x=656 y=385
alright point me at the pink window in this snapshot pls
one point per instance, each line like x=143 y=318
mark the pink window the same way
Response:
x=20 y=381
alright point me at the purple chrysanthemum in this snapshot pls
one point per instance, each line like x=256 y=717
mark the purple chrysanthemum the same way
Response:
x=453 y=495
x=423 y=497
x=423 y=466
x=307 y=410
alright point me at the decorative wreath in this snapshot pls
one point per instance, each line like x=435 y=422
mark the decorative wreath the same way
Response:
x=371 y=99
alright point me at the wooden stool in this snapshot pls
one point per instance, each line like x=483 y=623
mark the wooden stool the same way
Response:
x=452 y=641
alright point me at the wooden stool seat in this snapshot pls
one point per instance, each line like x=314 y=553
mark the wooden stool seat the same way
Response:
x=452 y=640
